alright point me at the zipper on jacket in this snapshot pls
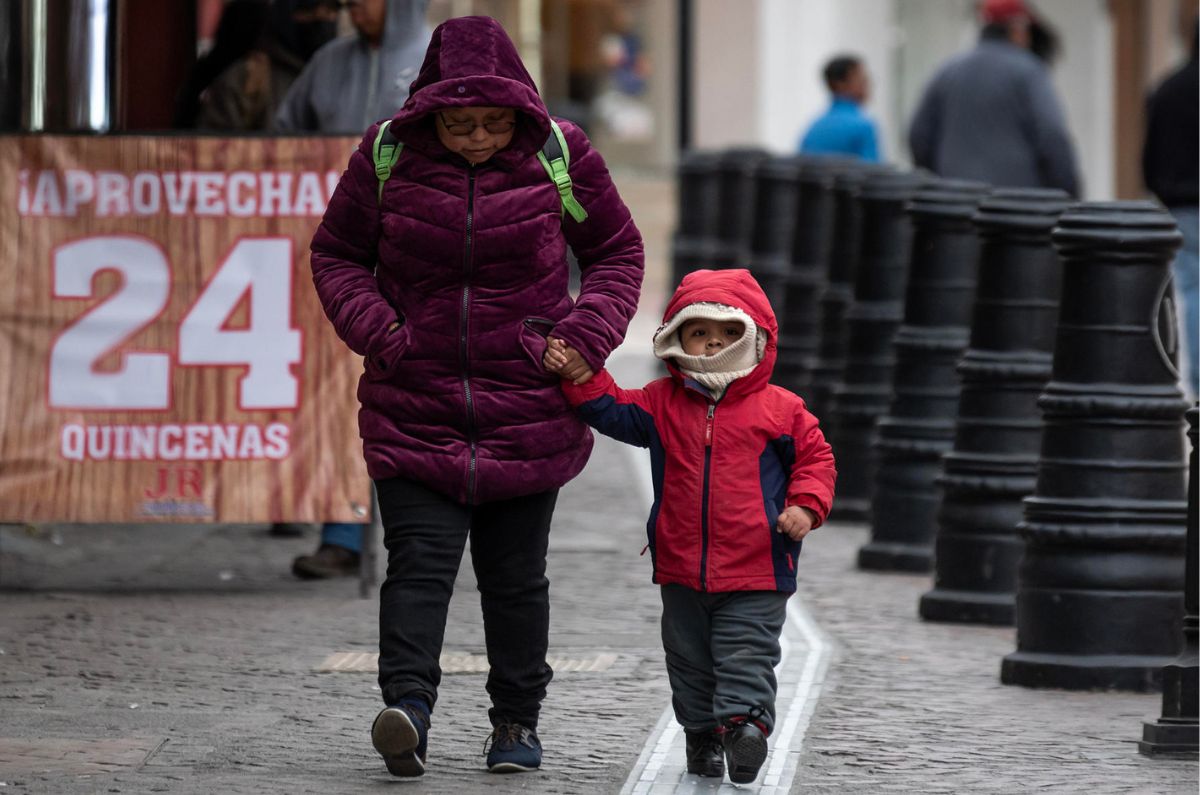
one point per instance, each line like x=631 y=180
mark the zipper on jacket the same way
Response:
x=708 y=439
x=462 y=334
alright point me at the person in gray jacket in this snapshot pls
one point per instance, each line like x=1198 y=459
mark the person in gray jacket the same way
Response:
x=354 y=81
x=991 y=114
x=351 y=83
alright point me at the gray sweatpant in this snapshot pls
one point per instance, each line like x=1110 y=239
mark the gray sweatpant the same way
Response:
x=722 y=649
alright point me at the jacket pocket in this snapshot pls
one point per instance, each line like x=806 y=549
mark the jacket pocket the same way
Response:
x=534 y=331
x=381 y=365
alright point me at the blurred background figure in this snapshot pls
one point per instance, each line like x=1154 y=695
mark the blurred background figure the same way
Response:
x=355 y=81
x=238 y=33
x=1171 y=169
x=350 y=84
x=844 y=128
x=247 y=94
x=991 y=114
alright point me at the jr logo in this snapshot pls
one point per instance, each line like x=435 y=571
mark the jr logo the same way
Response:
x=177 y=482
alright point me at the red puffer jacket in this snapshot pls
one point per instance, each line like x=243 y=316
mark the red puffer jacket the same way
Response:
x=723 y=470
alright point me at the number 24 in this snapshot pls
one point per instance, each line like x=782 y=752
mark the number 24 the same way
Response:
x=267 y=348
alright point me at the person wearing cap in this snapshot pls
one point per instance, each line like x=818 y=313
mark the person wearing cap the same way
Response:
x=991 y=114
x=844 y=129
x=742 y=473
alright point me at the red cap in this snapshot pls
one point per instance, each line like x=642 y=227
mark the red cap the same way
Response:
x=994 y=11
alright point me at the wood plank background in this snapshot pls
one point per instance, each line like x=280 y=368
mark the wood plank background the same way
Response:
x=323 y=478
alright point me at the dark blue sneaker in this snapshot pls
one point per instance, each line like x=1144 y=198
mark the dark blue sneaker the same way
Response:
x=513 y=748
x=400 y=734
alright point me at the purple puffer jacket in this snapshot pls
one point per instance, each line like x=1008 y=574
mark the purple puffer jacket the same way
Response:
x=472 y=261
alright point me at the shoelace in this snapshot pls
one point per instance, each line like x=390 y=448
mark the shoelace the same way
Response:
x=507 y=735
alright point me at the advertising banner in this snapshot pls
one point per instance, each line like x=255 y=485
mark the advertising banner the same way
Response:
x=163 y=355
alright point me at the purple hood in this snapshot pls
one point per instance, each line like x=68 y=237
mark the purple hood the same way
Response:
x=472 y=262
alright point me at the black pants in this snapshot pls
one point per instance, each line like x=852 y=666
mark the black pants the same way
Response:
x=425 y=533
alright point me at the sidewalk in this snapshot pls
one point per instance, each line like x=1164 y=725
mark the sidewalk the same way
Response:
x=185 y=659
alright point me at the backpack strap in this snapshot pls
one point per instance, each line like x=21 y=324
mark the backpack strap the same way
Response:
x=555 y=157
x=387 y=151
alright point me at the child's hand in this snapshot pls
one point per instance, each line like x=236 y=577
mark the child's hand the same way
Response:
x=796 y=522
x=572 y=367
x=555 y=356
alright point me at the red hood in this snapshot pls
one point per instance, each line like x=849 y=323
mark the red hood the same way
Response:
x=732 y=287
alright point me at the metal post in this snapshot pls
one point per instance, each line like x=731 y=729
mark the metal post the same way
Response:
x=1178 y=730
x=1100 y=585
x=919 y=426
x=998 y=430
x=872 y=320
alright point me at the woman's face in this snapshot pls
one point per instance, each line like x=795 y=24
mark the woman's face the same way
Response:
x=476 y=133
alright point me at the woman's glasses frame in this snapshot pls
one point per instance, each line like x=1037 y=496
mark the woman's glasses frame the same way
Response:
x=466 y=128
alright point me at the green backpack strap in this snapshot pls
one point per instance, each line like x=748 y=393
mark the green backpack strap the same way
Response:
x=387 y=151
x=556 y=159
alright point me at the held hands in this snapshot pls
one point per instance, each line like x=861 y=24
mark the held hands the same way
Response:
x=796 y=522
x=566 y=361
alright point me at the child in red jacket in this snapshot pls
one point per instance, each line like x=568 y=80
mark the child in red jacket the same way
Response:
x=741 y=474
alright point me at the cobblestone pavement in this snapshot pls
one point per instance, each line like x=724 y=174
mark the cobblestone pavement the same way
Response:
x=912 y=706
x=185 y=660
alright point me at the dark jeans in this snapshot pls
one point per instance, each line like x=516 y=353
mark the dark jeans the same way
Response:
x=722 y=649
x=425 y=533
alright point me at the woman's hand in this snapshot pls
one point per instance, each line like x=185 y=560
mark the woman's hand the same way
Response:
x=796 y=522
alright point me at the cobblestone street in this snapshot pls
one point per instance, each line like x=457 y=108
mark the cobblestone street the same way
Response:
x=185 y=659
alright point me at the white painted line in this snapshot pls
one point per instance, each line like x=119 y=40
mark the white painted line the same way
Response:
x=661 y=768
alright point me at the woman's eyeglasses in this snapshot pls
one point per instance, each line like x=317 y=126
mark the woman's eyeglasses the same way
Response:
x=464 y=128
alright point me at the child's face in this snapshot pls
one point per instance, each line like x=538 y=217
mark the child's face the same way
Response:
x=703 y=337
x=476 y=133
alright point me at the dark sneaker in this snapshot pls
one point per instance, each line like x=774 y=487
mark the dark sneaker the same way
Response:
x=745 y=749
x=705 y=754
x=513 y=748
x=400 y=735
x=327 y=562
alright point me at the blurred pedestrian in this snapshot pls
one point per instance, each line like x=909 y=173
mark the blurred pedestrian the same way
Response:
x=1171 y=169
x=247 y=94
x=239 y=31
x=742 y=474
x=844 y=128
x=446 y=268
x=348 y=85
x=991 y=114
x=355 y=81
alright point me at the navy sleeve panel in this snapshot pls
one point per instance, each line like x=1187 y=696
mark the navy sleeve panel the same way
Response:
x=774 y=468
x=625 y=422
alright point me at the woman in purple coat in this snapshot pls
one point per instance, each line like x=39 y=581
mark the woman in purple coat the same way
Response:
x=448 y=283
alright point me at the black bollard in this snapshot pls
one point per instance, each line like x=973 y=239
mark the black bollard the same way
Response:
x=1100 y=584
x=998 y=429
x=1178 y=730
x=776 y=184
x=735 y=205
x=802 y=286
x=919 y=426
x=838 y=293
x=864 y=391
x=694 y=244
